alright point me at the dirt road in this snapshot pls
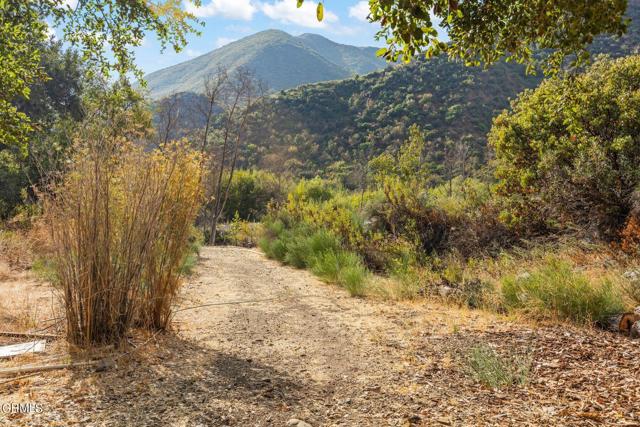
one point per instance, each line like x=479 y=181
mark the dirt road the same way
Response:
x=304 y=350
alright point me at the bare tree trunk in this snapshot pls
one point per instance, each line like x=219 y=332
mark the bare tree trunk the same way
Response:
x=244 y=92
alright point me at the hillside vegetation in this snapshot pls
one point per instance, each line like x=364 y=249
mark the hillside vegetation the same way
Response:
x=567 y=195
x=314 y=126
x=279 y=59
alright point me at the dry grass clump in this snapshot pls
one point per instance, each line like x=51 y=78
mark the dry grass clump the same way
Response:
x=119 y=222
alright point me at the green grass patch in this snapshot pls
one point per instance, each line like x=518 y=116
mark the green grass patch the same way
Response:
x=318 y=250
x=556 y=291
x=341 y=267
x=44 y=269
x=494 y=371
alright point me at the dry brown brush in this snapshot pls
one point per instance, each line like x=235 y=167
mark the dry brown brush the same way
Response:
x=119 y=222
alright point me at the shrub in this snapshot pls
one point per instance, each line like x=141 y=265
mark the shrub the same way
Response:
x=299 y=254
x=353 y=279
x=270 y=243
x=555 y=291
x=494 y=371
x=304 y=246
x=250 y=192
x=239 y=233
x=120 y=222
x=568 y=152
x=314 y=190
x=341 y=267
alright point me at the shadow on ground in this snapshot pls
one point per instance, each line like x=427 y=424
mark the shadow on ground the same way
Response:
x=175 y=380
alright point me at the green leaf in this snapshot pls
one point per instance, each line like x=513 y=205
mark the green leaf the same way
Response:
x=320 y=11
x=299 y=4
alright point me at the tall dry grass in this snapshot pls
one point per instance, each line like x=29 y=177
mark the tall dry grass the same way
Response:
x=178 y=211
x=119 y=222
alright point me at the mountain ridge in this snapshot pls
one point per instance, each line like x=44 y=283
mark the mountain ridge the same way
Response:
x=279 y=59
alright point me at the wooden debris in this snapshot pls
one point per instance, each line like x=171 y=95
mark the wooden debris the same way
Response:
x=22 y=348
x=100 y=365
x=635 y=330
x=622 y=323
x=28 y=334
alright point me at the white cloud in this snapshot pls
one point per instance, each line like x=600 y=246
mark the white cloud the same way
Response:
x=191 y=53
x=71 y=3
x=221 y=41
x=360 y=11
x=232 y=9
x=286 y=11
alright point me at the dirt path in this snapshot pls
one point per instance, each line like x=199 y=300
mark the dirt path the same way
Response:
x=306 y=350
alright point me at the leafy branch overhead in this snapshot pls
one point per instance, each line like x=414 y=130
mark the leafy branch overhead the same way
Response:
x=482 y=32
x=94 y=27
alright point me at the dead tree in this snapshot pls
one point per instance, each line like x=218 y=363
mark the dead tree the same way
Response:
x=167 y=118
x=215 y=92
x=231 y=97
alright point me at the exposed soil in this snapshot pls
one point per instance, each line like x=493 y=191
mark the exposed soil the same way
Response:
x=306 y=350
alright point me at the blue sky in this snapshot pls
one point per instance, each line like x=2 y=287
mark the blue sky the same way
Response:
x=229 y=20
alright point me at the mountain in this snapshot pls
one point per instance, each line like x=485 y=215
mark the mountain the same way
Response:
x=280 y=59
x=307 y=129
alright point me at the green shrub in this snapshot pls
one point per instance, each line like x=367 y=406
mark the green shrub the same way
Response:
x=341 y=267
x=275 y=249
x=315 y=190
x=326 y=266
x=568 y=152
x=323 y=241
x=298 y=251
x=250 y=192
x=353 y=279
x=555 y=291
x=494 y=371
x=305 y=246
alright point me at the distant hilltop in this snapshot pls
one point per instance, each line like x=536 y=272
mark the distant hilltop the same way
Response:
x=277 y=58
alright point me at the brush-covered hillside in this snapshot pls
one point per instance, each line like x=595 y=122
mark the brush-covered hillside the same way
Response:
x=313 y=126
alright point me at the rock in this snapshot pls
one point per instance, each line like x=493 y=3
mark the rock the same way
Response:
x=294 y=422
x=445 y=291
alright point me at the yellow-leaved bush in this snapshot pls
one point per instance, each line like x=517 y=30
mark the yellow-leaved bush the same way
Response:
x=120 y=221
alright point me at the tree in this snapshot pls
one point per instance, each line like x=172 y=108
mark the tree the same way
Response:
x=21 y=31
x=94 y=27
x=484 y=31
x=54 y=109
x=567 y=153
x=229 y=100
